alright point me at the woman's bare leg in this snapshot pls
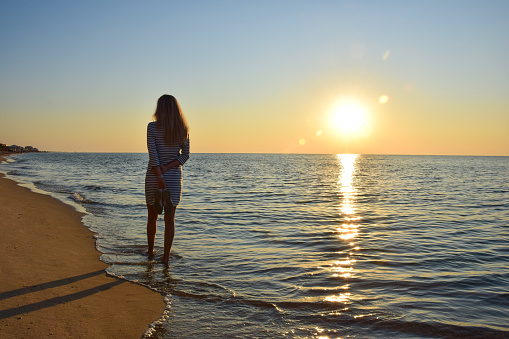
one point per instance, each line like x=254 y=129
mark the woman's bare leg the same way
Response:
x=169 y=231
x=151 y=229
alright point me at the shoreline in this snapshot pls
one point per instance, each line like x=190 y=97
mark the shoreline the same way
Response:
x=52 y=281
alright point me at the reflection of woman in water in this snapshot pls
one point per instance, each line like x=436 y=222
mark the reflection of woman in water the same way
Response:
x=168 y=150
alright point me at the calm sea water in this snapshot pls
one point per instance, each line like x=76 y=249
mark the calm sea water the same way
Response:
x=305 y=246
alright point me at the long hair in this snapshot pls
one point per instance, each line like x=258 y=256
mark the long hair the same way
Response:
x=170 y=120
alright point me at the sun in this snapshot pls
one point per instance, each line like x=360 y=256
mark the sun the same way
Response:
x=349 y=117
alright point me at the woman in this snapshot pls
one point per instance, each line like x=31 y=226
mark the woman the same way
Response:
x=168 y=150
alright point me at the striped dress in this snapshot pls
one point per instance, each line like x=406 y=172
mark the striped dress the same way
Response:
x=160 y=153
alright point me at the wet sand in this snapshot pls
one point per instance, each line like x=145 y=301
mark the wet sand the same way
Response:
x=51 y=280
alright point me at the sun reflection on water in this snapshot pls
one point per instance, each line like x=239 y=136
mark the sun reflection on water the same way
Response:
x=343 y=268
x=347 y=162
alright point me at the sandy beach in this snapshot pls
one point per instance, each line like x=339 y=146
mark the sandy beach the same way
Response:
x=52 y=282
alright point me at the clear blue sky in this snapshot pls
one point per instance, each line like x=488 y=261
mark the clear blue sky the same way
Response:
x=257 y=76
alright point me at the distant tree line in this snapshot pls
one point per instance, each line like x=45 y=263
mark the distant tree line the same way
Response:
x=17 y=149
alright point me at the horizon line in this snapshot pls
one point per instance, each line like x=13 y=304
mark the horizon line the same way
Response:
x=279 y=153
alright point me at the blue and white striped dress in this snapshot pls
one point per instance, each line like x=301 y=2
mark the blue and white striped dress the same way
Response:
x=160 y=153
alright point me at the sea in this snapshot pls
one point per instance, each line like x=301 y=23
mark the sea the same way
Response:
x=303 y=246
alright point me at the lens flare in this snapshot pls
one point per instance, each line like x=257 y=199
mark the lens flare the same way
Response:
x=383 y=99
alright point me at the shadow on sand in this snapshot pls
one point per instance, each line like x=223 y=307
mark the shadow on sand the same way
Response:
x=6 y=313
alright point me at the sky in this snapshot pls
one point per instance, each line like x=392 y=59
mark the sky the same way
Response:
x=326 y=77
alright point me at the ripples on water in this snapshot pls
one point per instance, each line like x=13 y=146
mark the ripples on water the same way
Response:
x=306 y=245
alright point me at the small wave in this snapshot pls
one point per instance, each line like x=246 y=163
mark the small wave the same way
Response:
x=215 y=293
x=81 y=199
x=305 y=202
x=93 y=187
x=438 y=329
x=14 y=173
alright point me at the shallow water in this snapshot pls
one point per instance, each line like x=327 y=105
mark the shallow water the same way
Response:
x=303 y=246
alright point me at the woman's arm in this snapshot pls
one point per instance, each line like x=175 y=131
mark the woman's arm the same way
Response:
x=181 y=159
x=169 y=165
x=153 y=157
x=184 y=152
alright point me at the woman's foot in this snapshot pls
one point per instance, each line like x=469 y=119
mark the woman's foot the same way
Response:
x=166 y=260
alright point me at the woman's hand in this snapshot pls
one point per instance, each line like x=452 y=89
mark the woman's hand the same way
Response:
x=157 y=170
x=160 y=183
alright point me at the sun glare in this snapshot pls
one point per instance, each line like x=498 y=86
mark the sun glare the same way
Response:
x=349 y=118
